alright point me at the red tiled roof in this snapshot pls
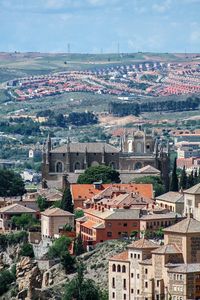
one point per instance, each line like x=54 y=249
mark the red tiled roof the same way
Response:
x=121 y=256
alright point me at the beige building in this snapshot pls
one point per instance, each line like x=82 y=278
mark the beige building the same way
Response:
x=173 y=201
x=53 y=220
x=150 y=271
x=192 y=201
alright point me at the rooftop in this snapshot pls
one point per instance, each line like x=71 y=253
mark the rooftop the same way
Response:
x=188 y=225
x=86 y=147
x=56 y=212
x=186 y=268
x=143 y=244
x=121 y=256
x=194 y=190
x=167 y=249
x=115 y=214
x=172 y=197
x=16 y=209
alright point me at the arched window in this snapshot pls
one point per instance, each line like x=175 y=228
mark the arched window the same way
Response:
x=77 y=166
x=123 y=269
x=114 y=268
x=112 y=165
x=138 y=165
x=59 y=167
x=139 y=148
x=118 y=268
x=94 y=163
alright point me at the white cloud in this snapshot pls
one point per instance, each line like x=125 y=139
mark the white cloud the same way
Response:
x=161 y=7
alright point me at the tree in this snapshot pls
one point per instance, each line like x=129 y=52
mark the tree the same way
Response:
x=191 y=180
x=59 y=246
x=159 y=233
x=79 y=213
x=134 y=234
x=183 y=179
x=27 y=250
x=174 y=179
x=156 y=181
x=11 y=184
x=6 y=278
x=24 y=221
x=42 y=203
x=78 y=246
x=66 y=202
x=80 y=288
x=99 y=173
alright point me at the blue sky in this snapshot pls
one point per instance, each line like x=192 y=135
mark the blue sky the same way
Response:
x=92 y=26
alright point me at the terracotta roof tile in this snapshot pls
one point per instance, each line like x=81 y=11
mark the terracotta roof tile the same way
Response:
x=16 y=209
x=143 y=243
x=188 y=225
x=56 y=212
x=121 y=256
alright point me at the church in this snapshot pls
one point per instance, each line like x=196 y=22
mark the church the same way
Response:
x=136 y=151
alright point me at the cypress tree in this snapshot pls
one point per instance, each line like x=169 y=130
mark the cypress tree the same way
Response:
x=78 y=246
x=66 y=202
x=174 y=179
x=183 y=179
x=195 y=177
x=191 y=180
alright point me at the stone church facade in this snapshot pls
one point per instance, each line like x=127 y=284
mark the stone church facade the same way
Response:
x=136 y=151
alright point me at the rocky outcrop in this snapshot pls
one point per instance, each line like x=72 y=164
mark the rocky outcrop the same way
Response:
x=29 y=279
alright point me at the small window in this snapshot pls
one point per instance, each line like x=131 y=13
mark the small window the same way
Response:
x=146 y=284
x=157 y=283
x=138 y=276
x=138 y=291
x=109 y=234
x=125 y=224
x=135 y=255
x=109 y=224
x=132 y=291
x=131 y=275
x=124 y=296
x=114 y=268
x=138 y=256
x=113 y=282
x=113 y=295
x=146 y=271
x=124 y=283
x=119 y=233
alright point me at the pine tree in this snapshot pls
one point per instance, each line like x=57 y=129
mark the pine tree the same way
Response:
x=78 y=246
x=183 y=179
x=66 y=202
x=174 y=179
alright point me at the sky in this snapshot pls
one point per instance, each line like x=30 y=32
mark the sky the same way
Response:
x=100 y=26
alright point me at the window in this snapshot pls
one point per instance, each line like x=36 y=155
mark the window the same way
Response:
x=113 y=295
x=119 y=233
x=181 y=277
x=109 y=234
x=131 y=275
x=125 y=224
x=123 y=269
x=134 y=224
x=118 y=268
x=157 y=297
x=138 y=276
x=138 y=256
x=124 y=296
x=114 y=268
x=109 y=224
x=146 y=271
x=113 y=282
x=138 y=291
x=124 y=283
x=132 y=291
x=146 y=284
x=135 y=255
x=131 y=255
x=157 y=283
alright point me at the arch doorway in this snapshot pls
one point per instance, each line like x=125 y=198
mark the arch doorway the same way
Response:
x=59 y=167
x=77 y=166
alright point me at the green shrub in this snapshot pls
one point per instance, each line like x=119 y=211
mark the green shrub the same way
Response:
x=27 y=250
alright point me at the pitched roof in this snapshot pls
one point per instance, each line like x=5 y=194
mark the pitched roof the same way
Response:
x=121 y=256
x=143 y=244
x=116 y=214
x=95 y=147
x=88 y=191
x=195 y=190
x=16 y=209
x=168 y=215
x=172 y=197
x=148 y=169
x=186 y=268
x=167 y=249
x=188 y=225
x=56 y=212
